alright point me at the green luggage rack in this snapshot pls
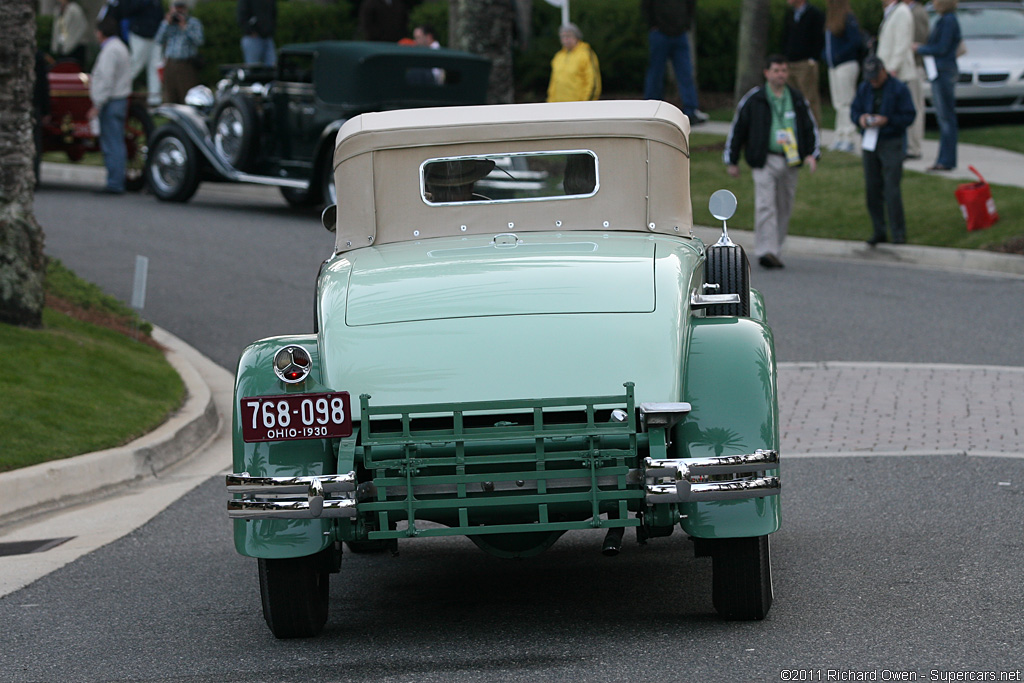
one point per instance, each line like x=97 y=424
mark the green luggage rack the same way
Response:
x=499 y=467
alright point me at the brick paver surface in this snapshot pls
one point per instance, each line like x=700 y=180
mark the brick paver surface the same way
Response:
x=891 y=408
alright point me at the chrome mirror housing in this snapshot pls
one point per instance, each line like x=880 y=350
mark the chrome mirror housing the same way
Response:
x=722 y=206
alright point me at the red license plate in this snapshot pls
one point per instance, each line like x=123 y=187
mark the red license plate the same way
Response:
x=296 y=416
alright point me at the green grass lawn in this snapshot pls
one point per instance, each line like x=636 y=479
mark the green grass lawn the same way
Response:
x=75 y=387
x=830 y=202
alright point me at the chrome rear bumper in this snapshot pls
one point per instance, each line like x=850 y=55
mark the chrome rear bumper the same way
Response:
x=311 y=497
x=707 y=479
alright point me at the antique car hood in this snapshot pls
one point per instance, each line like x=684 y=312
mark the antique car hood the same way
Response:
x=458 y=319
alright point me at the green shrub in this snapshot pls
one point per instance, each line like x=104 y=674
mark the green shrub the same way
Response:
x=297 y=22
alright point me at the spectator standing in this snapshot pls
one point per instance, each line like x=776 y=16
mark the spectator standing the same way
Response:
x=181 y=36
x=883 y=109
x=383 y=20
x=774 y=127
x=258 y=21
x=843 y=47
x=575 y=70
x=803 y=38
x=109 y=87
x=896 y=41
x=942 y=45
x=423 y=35
x=144 y=17
x=916 y=131
x=70 y=33
x=670 y=22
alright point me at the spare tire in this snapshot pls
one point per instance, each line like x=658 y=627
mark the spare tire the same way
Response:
x=235 y=131
x=727 y=267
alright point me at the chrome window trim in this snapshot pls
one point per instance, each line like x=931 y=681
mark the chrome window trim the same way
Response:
x=504 y=155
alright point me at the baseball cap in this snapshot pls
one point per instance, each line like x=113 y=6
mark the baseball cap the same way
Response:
x=872 y=67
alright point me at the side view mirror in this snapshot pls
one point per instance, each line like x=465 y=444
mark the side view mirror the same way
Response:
x=722 y=206
x=330 y=218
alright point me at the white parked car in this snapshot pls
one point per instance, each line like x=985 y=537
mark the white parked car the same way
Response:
x=992 y=70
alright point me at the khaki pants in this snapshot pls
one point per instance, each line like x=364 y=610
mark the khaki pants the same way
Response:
x=774 y=191
x=804 y=77
x=842 y=84
x=915 y=132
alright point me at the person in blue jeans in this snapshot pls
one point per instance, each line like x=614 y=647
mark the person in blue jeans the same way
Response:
x=669 y=22
x=942 y=45
x=110 y=84
x=258 y=21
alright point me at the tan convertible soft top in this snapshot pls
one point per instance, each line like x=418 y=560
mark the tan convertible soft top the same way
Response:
x=642 y=152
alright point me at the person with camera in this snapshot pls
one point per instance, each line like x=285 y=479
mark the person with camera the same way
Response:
x=883 y=110
x=180 y=36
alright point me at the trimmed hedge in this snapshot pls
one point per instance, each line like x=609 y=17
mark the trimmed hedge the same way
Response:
x=297 y=22
x=616 y=31
x=614 y=28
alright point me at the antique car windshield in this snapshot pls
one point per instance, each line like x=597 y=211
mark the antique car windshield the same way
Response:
x=515 y=177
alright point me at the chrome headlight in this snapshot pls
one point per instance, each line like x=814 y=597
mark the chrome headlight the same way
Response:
x=292 y=364
x=199 y=96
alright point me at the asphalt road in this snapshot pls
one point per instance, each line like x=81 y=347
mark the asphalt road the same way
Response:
x=884 y=565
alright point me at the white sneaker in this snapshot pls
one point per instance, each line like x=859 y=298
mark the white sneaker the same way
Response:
x=699 y=116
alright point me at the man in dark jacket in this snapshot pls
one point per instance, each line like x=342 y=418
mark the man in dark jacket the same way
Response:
x=882 y=109
x=669 y=21
x=144 y=17
x=258 y=21
x=803 y=39
x=774 y=125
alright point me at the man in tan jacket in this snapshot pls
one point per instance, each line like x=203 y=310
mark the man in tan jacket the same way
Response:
x=895 y=44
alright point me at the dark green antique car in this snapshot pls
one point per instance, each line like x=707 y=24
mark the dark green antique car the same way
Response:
x=561 y=356
x=276 y=126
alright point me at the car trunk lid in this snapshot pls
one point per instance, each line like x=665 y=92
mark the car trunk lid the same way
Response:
x=501 y=276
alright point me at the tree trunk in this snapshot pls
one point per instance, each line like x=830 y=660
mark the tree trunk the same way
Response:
x=753 y=46
x=22 y=264
x=485 y=27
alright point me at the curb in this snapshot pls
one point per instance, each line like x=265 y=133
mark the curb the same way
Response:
x=50 y=485
x=968 y=260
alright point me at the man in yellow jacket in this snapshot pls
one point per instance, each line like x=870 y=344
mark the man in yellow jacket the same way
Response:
x=575 y=71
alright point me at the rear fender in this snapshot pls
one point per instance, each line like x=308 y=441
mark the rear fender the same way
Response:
x=279 y=538
x=732 y=389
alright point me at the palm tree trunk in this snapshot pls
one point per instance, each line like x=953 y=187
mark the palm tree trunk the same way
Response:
x=486 y=27
x=22 y=264
x=753 y=46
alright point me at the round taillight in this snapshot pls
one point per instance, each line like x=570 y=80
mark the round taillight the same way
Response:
x=292 y=364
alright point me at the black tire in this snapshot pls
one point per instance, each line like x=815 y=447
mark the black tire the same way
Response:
x=321 y=187
x=234 y=132
x=138 y=131
x=172 y=165
x=741 y=584
x=728 y=268
x=296 y=197
x=295 y=595
x=328 y=192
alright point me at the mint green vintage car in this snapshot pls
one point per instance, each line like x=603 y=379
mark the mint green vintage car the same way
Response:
x=517 y=336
